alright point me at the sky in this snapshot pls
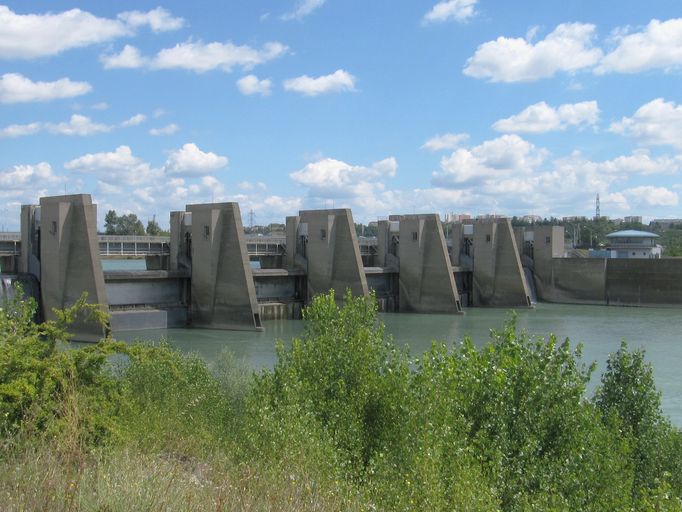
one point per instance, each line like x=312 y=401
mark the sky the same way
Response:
x=385 y=107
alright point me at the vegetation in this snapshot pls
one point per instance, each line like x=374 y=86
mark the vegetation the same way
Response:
x=346 y=420
x=115 y=224
x=591 y=233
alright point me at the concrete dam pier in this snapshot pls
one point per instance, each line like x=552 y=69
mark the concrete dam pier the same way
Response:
x=210 y=274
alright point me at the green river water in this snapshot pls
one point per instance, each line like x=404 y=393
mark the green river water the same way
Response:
x=599 y=328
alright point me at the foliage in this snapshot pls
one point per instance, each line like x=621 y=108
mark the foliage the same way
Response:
x=628 y=397
x=344 y=421
x=122 y=224
x=153 y=228
x=41 y=384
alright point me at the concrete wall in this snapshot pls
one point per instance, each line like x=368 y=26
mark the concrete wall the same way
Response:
x=136 y=320
x=457 y=237
x=223 y=293
x=332 y=253
x=129 y=289
x=498 y=278
x=572 y=280
x=179 y=250
x=427 y=284
x=644 y=282
x=69 y=257
x=29 y=260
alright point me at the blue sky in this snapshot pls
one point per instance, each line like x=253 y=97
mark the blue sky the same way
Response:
x=476 y=106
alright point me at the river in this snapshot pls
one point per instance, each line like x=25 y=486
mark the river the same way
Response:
x=599 y=328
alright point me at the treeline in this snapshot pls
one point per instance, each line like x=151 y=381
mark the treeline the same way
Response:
x=129 y=224
x=346 y=420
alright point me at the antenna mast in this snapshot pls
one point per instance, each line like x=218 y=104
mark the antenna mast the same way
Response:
x=597 y=213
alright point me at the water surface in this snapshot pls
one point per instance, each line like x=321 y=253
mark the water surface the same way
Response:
x=599 y=328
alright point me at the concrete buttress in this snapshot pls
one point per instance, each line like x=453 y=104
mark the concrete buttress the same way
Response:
x=69 y=259
x=223 y=292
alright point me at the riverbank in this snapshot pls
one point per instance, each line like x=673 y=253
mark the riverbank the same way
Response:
x=344 y=420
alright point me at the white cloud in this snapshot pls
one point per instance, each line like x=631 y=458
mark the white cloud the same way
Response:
x=658 y=46
x=134 y=121
x=250 y=84
x=16 y=88
x=445 y=141
x=648 y=195
x=191 y=161
x=158 y=20
x=20 y=130
x=169 y=129
x=657 y=123
x=130 y=57
x=29 y=36
x=78 y=125
x=641 y=162
x=339 y=81
x=38 y=35
x=26 y=177
x=567 y=48
x=303 y=8
x=330 y=178
x=116 y=167
x=201 y=57
x=458 y=10
x=506 y=156
x=541 y=118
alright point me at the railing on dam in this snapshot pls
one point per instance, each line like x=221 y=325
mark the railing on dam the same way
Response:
x=10 y=244
x=129 y=245
x=265 y=245
x=143 y=245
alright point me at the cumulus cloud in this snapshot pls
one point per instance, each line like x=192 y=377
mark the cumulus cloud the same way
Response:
x=28 y=36
x=250 y=84
x=25 y=177
x=457 y=10
x=568 y=48
x=16 y=88
x=506 y=156
x=189 y=160
x=169 y=129
x=542 y=118
x=648 y=195
x=339 y=81
x=331 y=178
x=158 y=20
x=303 y=8
x=657 y=123
x=77 y=125
x=445 y=141
x=657 y=46
x=115 y=167
x=134 y=121
x=201 y=57
x=130 y=57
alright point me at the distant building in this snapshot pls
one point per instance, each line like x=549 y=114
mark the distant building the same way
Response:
x=635 y=219
x=531 y=218
x=457 y=217
x=665 y=223
x=633 y=244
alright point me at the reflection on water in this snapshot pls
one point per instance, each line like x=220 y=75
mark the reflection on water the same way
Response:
x=599 y=329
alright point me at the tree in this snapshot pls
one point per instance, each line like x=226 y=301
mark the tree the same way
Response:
x=153 y=228
x=628 y=396
x=110 y=222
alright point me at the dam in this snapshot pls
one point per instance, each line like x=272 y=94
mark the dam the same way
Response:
x=208 y=273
